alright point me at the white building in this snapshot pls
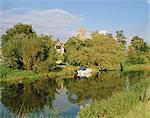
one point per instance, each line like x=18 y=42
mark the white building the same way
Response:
x=59 y=47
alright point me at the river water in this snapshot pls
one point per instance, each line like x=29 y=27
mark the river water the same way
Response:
x=56 y=98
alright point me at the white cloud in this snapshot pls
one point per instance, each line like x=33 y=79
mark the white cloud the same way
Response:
x=56 y=22
x=148 y=1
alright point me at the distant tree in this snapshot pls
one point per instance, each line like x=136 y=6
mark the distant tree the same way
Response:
x=109 y=35
x=120 y=37
x=139 y=44
x=138 y=51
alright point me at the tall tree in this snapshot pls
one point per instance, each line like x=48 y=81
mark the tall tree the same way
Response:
x=17 y=29
x=120 y=37
x=23 y=49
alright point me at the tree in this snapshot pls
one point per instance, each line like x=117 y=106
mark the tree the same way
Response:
x=30 y=52
x=17 y=29
x=23 y=49
x=138 y=44
x=12 y=52
x=109 y=35
x=120 y=37
x=11 y=44
x=101 y=51
x=138 y=51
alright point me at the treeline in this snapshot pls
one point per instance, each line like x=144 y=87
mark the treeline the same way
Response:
x=100 y=51
x=107 y=52
x=24 y=49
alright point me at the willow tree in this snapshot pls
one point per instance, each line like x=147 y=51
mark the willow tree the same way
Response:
x=23 y=49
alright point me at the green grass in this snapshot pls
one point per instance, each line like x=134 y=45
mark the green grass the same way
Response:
x=129 y=67
x=142 y=110
x=8 y=74
x=117 y=105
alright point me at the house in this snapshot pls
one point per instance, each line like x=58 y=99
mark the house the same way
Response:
x=60 y=50
x=59 y=47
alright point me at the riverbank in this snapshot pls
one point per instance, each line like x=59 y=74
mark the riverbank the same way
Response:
x=136 y=67
x=7 y=74
x=15 y=75
x=118 y=105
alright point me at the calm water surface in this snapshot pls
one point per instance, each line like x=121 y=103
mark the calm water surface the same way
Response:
x=58 y=98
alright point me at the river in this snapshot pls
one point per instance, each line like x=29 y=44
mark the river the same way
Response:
x=56 y=98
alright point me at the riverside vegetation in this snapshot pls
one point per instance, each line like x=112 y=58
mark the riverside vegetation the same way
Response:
x=23 y=49
x=118 y=105
x=28 y=56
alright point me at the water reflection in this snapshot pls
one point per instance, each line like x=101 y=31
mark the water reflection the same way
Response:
x=26 y=97
x=64 y=96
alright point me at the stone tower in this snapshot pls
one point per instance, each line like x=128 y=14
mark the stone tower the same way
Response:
x=81 y=33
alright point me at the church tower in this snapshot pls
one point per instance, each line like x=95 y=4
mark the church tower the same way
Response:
x=81 y=33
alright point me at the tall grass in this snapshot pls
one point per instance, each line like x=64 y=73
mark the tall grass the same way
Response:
x=116 y=105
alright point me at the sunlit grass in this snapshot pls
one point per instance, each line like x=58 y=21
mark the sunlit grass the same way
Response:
x=8 y=74
x=141 y=110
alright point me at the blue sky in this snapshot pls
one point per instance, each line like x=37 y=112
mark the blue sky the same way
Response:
x=62 y=18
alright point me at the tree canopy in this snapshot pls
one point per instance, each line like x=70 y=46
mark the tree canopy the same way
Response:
x=23 y=49
x=138 y=52
x=101 y=51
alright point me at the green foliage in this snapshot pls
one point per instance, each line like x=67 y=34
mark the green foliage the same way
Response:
x=120 y=37
x=23 y=49
x=17 y=29
x=101 y=51
x=138 y=52
x=12 y=52
x=116 y=105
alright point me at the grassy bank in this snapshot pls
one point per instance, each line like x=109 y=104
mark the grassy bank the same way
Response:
x=136 y=67
x=66 y=72
x=117 y=105
x=7 y=74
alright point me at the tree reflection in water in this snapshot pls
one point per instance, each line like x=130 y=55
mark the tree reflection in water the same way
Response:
x=102 y=85
x=27 y=97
